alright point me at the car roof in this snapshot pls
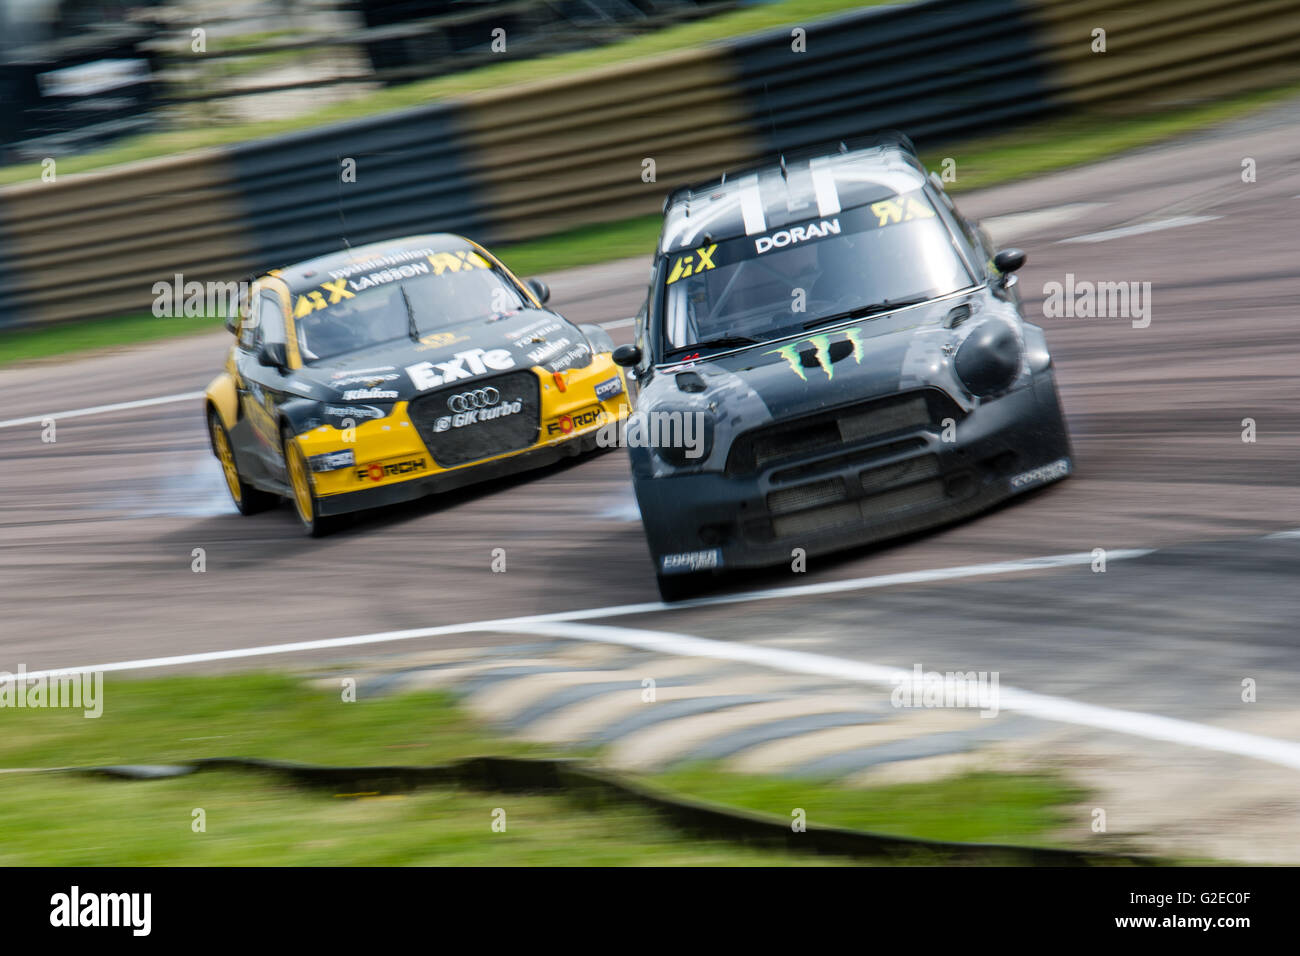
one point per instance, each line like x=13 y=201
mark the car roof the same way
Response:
x=793 y=188
x=371 y=257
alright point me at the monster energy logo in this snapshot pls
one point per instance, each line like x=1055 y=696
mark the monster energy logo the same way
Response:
x=793 y=352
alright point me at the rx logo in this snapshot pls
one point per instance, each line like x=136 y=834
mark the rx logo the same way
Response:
x=693 y=263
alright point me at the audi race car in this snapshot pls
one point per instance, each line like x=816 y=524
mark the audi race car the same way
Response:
x=829 y=355
x=396 y=369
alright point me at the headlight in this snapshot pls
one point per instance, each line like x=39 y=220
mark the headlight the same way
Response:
x=681 y=438
x=989 y=360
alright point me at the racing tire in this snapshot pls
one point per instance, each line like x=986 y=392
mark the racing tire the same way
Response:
x=303 y=490
x=248 y=500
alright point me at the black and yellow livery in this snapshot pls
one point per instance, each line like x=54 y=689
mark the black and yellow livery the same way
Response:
x=397 y=369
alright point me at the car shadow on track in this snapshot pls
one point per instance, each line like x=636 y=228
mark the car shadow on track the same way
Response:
x=277 y=534
x=823 y=567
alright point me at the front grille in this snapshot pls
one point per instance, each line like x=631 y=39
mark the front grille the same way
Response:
x=925 y=493
x=837 y=428
x=860 y=456
x=817 y=519
x=870 y=510
x=900 y=472
x=502 y=415
x=805 y=496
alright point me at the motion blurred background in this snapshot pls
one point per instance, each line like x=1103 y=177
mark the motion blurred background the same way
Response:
x=511 y=121
x=208 y=140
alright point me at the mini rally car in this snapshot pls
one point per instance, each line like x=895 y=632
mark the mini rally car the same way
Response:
x=396 y=369
x=829 y=355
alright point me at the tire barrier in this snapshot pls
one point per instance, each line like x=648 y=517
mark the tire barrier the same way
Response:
x=519 y=162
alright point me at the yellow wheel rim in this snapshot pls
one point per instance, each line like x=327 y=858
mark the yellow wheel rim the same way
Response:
x=227 y=459
x=301 y=483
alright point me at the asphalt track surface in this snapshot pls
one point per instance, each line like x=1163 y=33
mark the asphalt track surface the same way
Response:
x=98 y=528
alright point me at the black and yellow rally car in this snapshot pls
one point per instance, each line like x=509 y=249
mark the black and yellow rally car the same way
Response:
x=400 y=368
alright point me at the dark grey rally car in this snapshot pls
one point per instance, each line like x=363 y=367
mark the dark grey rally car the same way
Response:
x=829 y=355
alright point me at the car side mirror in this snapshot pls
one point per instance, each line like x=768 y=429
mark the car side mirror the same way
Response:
x=1009 y=260
x=627 y=356
x=540 y=289
x=232 y=324
x=273 y=355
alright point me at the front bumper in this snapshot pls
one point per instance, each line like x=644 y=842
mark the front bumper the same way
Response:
x=886 y=489
x=421 y=485
x=391 y=463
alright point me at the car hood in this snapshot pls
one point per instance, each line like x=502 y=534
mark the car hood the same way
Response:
x=874 y=357
x=402 y=369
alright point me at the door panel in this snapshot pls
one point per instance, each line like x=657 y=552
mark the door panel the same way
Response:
x=261 y=390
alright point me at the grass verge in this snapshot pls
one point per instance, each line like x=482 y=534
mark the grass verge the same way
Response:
x=24 y=345
x=68 y=820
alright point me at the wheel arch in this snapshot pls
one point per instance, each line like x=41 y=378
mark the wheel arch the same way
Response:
x=222 y=396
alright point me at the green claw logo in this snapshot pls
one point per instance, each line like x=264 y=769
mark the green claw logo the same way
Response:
x=821 y=349
x=791 y=354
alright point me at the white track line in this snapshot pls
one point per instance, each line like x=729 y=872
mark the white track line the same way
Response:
x=101 y=409
x=1003 y=229
x=566 y=625
x=619 y=610
x=1043 y=706
x=1140 y=228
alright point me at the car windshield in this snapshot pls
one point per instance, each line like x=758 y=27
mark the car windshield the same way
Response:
x=759 y=287
x=367 y=304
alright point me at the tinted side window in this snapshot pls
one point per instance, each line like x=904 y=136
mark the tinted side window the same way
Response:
x=971 y=246
x=250 y=330
x=271 y=319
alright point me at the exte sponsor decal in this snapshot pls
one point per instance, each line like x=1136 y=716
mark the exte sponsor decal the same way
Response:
x=467 y=364
x=565 y=424
x=368 y=394
x=378 y=472
x=789 y=237
x=1037 y=476
x=689 y=561
x=825 y=351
